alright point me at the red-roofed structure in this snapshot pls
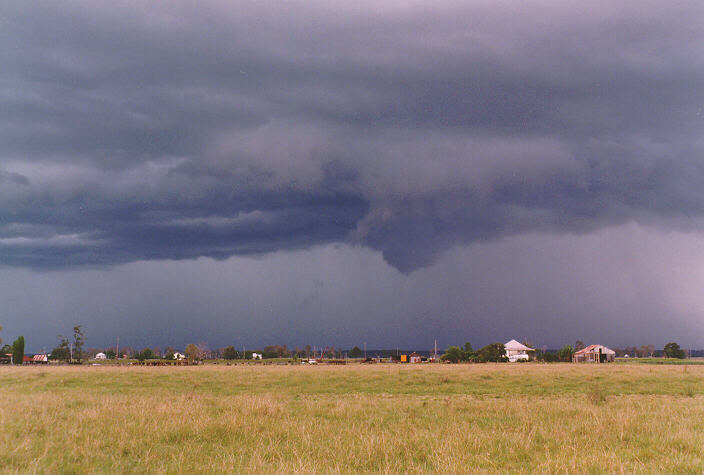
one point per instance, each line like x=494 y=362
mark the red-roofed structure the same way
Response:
x=594 y=354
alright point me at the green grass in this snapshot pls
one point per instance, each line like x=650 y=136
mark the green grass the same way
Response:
x=496 y=417
x=661 y=361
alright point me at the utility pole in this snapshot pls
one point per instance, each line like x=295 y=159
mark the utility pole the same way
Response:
x=70 y=349
x=117 y=350
x=436 y=349
x=365 y=350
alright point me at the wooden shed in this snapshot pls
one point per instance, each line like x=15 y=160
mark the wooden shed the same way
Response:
x=594 y=354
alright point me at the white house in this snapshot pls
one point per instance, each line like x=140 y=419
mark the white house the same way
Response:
x=256 y=356
x=101 y=356
x=179 y=356
x=516 y=351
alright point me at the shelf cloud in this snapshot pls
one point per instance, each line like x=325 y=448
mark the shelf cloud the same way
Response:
x=150 y=131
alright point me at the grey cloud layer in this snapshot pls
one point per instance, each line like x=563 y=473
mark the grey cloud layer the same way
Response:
x=172 y=131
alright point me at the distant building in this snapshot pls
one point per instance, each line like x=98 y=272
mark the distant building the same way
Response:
x=40 y=359
x=415 y=358
x=101 y=356
x=179 y=356
x=594 y=354
x=516 y=351
x=256 y=356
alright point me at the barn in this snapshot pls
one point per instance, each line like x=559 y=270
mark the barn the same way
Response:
x=594 y=354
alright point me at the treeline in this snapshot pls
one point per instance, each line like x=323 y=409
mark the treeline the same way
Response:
x=72 y=350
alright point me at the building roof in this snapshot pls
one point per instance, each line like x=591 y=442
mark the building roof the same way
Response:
x=514 y=345
x=595 y=349
x=40 y=358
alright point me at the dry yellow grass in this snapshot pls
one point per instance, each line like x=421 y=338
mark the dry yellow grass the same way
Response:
x=387 y=418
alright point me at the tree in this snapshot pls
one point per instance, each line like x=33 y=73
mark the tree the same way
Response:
x=169 y=353
x=62 y=351
x=673 y=350
x=566 y=353
x=230 y=353
x=0 y=338
x=469 y=353
x=548 y=356
x=579 y=345
x=453 y=354
x=494 y=352
x=18 y=350
x=355 y=352
x=192 y=353
x=110 y=354
x=203 y=350
x=78 y=341
x=145 y=354
x=646 y=351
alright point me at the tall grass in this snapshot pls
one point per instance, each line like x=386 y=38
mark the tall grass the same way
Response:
x=359 y=418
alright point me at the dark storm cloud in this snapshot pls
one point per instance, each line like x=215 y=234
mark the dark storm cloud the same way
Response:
x=172 y=131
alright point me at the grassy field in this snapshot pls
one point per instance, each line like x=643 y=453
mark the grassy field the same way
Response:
x=520 y=417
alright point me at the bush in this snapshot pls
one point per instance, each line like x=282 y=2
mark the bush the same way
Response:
x=453 y=354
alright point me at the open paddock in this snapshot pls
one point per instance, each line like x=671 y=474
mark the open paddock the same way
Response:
x=495 y=417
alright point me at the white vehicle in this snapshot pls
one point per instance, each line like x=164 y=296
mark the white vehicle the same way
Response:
x=312 y=361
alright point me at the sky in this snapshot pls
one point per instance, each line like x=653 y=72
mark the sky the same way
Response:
x=338 y=173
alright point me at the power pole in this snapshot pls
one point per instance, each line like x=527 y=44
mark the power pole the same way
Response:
x=436 y=350
x=365 y=350
x=117 y=350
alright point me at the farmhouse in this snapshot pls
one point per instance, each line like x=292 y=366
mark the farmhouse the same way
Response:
x=40 y=359
x=516 y=351
x=179 y=356
x=415 y=358
x=594 y=354
x=100 y=356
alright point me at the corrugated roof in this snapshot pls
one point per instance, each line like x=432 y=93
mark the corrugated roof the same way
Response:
x=594 y=349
